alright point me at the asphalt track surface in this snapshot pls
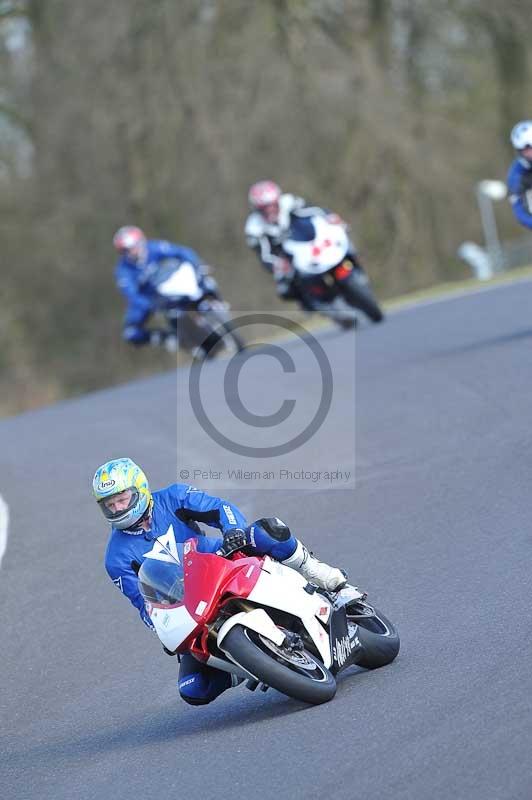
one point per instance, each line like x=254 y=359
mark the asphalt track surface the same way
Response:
x=438 y=531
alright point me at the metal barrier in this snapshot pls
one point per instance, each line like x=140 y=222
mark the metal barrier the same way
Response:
x=495 y=256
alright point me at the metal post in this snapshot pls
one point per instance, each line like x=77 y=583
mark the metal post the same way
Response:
x=487 y=192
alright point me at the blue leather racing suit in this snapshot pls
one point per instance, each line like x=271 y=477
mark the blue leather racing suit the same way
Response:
x=133 y=280
x=182 y=507
x=520 y=190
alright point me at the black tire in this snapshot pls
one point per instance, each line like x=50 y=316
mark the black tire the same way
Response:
x=379 y=639
x=224 y=328
x=300 y=674
x=347 y=324
x=361 y=297
x=238 y=342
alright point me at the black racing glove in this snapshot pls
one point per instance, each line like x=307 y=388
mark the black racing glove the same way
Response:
x=234 y=539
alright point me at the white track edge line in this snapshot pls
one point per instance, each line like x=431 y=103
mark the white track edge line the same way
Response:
x=4 y=522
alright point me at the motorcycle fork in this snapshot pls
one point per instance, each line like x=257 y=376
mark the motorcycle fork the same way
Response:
x=207 y=642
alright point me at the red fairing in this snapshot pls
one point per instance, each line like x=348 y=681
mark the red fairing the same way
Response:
x=209 y=578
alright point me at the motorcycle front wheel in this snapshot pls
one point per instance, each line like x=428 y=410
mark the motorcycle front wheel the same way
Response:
x=377 y=635
x=294 y=671
x=224 y=328
x=361 y=296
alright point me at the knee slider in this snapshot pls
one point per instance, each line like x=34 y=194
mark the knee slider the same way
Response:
x=191 y=692
x=134 y=334
x=275 y=527
x=194 y=701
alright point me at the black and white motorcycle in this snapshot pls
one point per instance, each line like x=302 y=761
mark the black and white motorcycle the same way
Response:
x=324 y=270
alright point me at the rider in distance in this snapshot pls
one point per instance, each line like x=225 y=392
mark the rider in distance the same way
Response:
x=520 y=173
x=267 y=227
x=139 y=260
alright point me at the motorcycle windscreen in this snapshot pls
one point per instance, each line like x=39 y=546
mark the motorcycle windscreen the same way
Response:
x=179 y=282
x=161 y=581
x=325 y=250
x=302 y=229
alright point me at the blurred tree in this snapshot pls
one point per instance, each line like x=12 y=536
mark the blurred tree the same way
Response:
x=161 y=114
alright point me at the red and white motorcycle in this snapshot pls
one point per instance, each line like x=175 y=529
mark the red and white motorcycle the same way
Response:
x=258 y=619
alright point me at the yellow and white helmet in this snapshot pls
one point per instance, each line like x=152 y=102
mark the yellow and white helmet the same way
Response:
x=121 y=475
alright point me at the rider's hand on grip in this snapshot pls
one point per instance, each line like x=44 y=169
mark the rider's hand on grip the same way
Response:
x=234 y=539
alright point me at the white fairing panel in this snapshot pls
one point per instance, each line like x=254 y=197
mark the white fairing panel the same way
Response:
x=283 y=588
x=257 y=620
x=327 y=250
x=172 y=625
x=181 y=283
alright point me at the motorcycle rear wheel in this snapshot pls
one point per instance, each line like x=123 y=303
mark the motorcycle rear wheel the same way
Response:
x=296 y=673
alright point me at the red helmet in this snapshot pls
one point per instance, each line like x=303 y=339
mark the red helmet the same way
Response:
x=130 y=241
x=265 y=195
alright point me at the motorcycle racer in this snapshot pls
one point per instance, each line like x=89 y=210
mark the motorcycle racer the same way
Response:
x=138 y=261
x=520 y=173
x=140 y=520
x=268 y=225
